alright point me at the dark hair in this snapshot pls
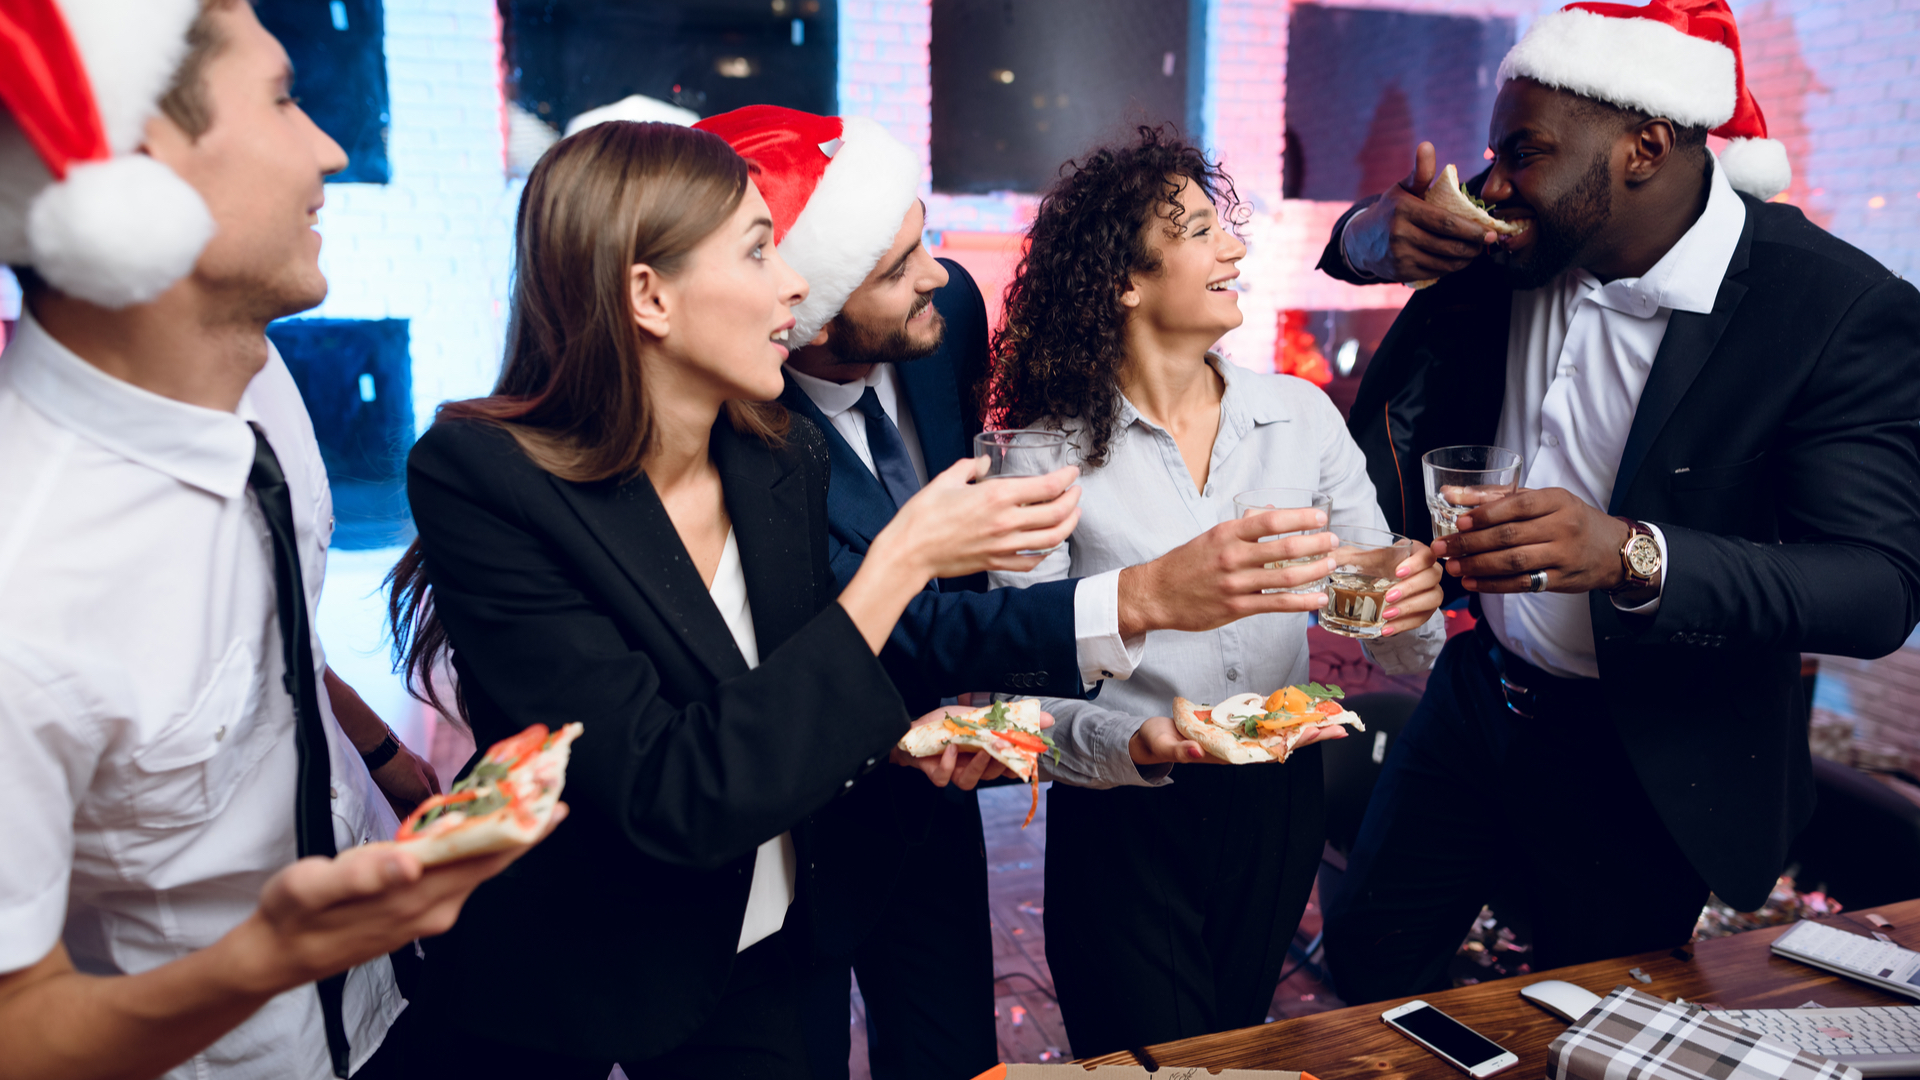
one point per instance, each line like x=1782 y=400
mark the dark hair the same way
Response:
x=186 y=102
x=571 y=391
x=1058 y=353
x=1689 y=142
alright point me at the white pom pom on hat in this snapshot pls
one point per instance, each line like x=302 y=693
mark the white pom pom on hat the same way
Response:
x=78 y=80
x=1674 y=58
x=118 y=232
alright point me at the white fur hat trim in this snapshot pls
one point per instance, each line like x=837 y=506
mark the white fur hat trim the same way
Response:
x=850 y=220
x=1758 y=167
x=1634 y=63
x=117 y=232
x=132 y=51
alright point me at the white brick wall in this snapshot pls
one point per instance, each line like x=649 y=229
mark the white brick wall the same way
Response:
x=432 y=247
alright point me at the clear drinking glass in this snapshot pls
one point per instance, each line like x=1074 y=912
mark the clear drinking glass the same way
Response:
x=1460 y=478
x=1260 y=500
x=1021 y=452
x=1362 y=576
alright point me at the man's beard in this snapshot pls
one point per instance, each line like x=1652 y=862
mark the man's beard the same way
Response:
x=851 y=344
x=1563 y=229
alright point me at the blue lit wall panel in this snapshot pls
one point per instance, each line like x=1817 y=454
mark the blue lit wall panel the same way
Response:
x=356 y=377
x=339 y=75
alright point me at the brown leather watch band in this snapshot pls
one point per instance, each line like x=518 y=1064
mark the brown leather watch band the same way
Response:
x=1630 y=579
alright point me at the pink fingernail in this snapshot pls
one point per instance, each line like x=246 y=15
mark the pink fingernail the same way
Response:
x=1391 y=613
x=1402 y=572
x=1388 y=632
x=1392 y=596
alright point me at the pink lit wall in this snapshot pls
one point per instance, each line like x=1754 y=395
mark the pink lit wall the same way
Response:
x=1838 y=79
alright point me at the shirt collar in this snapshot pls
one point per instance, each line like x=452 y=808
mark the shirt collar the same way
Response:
x=834 y=398
x=206 y=448
x=1688 y=276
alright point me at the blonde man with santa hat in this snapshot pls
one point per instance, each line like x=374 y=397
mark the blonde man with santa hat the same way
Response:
x=166 y=750
x=1716 y=404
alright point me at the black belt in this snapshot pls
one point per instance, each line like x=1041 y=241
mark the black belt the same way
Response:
x=1531 y=691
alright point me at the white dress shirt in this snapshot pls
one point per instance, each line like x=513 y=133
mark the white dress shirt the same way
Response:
x=147 y=759
x=1099 y=649
x=774 y=864
x=1578 y=356
x=1275 y=431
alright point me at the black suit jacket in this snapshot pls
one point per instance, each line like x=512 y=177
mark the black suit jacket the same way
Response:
x=955 y=636
x=614 y=938
x=1775 y=446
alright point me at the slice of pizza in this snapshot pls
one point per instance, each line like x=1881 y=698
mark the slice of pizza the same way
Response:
x=1247 y=729
x=1009 y=731
x=1448 y=193
x=505 y=802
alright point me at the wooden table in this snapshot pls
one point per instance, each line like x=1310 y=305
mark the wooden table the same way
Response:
x=1737 y=972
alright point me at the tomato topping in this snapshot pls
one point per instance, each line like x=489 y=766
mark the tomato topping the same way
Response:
x=1030 y=743
x=1035 y=783
x=1203 y=714
x=1330 y=708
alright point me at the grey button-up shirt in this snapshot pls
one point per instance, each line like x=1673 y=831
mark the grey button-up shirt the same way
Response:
x=1275 y=431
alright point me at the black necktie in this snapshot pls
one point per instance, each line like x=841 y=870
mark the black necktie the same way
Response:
x=889 y=450
x=312 y=804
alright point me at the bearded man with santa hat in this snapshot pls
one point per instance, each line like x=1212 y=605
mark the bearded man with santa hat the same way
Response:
x=1716 y=401
x=167 y=752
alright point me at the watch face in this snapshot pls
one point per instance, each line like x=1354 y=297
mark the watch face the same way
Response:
x=1644 y=556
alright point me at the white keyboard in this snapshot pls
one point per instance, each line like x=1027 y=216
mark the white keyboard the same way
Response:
x=1877 y=963
x=1879 y=1041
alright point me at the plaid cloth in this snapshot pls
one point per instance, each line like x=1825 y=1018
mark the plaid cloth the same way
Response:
x=1635 y=1036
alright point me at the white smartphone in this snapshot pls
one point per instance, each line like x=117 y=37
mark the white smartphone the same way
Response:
x=1456 y=1043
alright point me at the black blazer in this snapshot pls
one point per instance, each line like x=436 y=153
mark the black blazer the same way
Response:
x=956 y=636
x=614 y=938
x=1775 y=446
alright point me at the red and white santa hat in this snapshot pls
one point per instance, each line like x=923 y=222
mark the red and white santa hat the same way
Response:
x=1674 y=58
x=838 y=186
x=79 y=203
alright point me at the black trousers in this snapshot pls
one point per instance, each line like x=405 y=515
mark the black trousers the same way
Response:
x=926 y=968
x=753 y=1033
x=1169 y=910
x=1475 y=800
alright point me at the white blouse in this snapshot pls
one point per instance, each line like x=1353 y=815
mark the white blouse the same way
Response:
x=774 y=865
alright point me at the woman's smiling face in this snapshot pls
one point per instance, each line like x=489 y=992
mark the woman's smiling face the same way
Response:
x=733 y=306
x=1192 y=292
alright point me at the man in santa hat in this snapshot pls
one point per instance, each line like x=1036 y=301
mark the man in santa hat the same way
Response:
x=896 y=345
x=167 y=751
x=1716 y=402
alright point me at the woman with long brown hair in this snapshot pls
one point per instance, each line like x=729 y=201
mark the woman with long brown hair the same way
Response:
x=625 y=536
x=1170 y=907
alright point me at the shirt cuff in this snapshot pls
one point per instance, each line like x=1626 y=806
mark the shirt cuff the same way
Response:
x=1340 y=246
x=1409 y=653
x=1101 y=651
x=1651 y=607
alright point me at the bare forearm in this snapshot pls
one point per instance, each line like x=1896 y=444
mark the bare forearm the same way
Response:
x=1136 y=595
x=64 y=1025
x=363 y=726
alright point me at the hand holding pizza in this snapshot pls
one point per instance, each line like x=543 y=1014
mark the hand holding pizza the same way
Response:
x=321 y=916
x=965 y=768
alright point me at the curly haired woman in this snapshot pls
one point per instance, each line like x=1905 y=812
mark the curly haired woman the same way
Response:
x=1170 y=906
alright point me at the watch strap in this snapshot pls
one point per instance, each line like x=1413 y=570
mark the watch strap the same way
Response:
x=388 y=749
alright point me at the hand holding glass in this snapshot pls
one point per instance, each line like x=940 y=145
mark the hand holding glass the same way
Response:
x=1260 y=500
x=1364 y=569
x=1021 y=452
x=1460 y=478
